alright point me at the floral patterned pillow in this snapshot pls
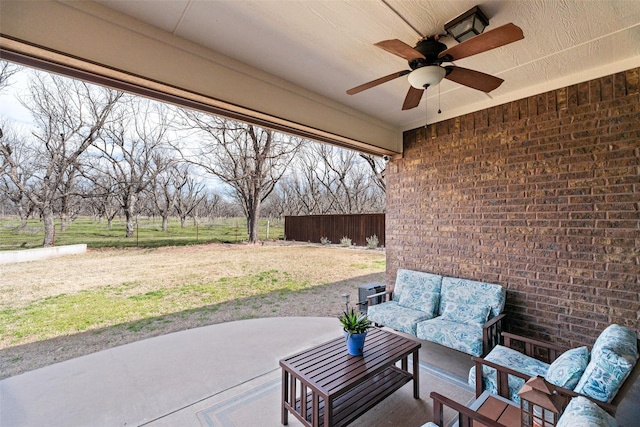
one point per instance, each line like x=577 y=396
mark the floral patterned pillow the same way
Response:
x=410 y=283
x=567 y=369
x=612 y=358
x=581 y=412
x=469 y=314
x=425 y=301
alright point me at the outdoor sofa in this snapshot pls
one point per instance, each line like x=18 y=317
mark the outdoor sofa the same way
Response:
x=604 y=374
x=462 y=314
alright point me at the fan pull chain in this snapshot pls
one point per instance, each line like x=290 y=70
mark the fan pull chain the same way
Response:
x=426 y=107
x=439 y=110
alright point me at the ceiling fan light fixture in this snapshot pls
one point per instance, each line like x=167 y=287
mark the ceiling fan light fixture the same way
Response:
x=468 y=25
x=429 y=75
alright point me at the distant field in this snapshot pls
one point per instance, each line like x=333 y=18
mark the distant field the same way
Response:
x=148 y=233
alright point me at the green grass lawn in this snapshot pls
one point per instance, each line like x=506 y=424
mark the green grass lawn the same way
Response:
x=148 y=233
x=111 y=305
x=118 y=295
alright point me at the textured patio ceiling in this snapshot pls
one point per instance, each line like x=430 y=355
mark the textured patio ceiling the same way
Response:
x=289 y=63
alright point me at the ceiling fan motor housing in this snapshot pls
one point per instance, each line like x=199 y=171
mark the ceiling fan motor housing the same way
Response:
x=430 y=48
x=427 y=72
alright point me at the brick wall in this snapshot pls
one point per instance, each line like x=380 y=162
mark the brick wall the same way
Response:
x=540 y=195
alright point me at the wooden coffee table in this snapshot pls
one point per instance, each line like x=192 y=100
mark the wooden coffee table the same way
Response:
x=325 y=386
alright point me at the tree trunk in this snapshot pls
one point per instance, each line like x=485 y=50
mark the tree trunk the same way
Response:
x=63 y=221
x=23 y=216
x=165 y=223
x=183 y=220
x=252 y=222
x=130 y=226
x=129 y=209
x=49 y=226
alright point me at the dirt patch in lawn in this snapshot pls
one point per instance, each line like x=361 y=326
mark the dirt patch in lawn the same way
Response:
x=66 y=307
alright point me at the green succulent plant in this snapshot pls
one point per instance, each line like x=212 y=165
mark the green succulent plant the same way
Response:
x=354 y=323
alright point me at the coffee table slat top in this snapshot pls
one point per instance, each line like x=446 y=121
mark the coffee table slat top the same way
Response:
x=329 y=368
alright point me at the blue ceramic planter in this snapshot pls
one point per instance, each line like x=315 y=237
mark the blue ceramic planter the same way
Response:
x=355 y=343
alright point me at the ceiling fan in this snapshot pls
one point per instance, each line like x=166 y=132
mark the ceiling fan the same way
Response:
x=426 y=58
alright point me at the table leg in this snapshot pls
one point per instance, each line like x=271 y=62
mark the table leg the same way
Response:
x=315 y=409
x=416 y=375
x=328 y=411
x=285 y=391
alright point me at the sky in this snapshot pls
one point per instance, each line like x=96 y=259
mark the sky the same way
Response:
x=10 y=107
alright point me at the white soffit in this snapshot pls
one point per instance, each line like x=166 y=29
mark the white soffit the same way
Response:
x=327 y=47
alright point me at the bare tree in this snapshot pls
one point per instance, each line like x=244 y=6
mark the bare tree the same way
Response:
x=249 y=159
x=166 y=190
x=329 y=180
x=131 y=152
x=378 y=166
x=7 y=70
x=69 y=116
x=102 y=194
x=210 y=205
x=189 y=195
x=21 y=151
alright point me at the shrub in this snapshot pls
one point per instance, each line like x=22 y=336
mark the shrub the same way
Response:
x=372 y=242
x=325 y=241
x=345 y=241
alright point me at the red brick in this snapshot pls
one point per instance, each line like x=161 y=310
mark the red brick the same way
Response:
x=539 y=195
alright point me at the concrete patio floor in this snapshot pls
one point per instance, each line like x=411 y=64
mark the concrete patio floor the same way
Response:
x=167 y=380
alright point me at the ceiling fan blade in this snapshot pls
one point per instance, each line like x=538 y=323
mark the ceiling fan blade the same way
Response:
x=473 y=79
x=500 y=36
x=413 y=98
x=377 y=82
x=400 y=49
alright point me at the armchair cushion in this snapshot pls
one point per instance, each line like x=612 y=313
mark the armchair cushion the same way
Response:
x=567 y=369
x=515 y=360
x=397 y=317
x=581 y=412
x=459 y=336
x=467 y=314
x=613 y=356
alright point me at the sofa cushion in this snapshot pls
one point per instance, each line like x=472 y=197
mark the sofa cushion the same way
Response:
x=465 y=338
x=612 y=358
x=468 y=314
x=417 y=299
x=581 y=412
x=567 y=369
x=463 y=292
x=397 y=317
x=415 y=282
x=509 y=358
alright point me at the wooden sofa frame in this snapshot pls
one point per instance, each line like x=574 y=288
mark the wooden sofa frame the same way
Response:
x=491 y=330
x=466 y=416
x=547 y=353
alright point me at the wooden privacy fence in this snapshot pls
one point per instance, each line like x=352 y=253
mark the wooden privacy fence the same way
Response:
x=357 y=227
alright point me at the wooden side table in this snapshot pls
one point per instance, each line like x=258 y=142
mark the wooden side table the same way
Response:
x=497 y=408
